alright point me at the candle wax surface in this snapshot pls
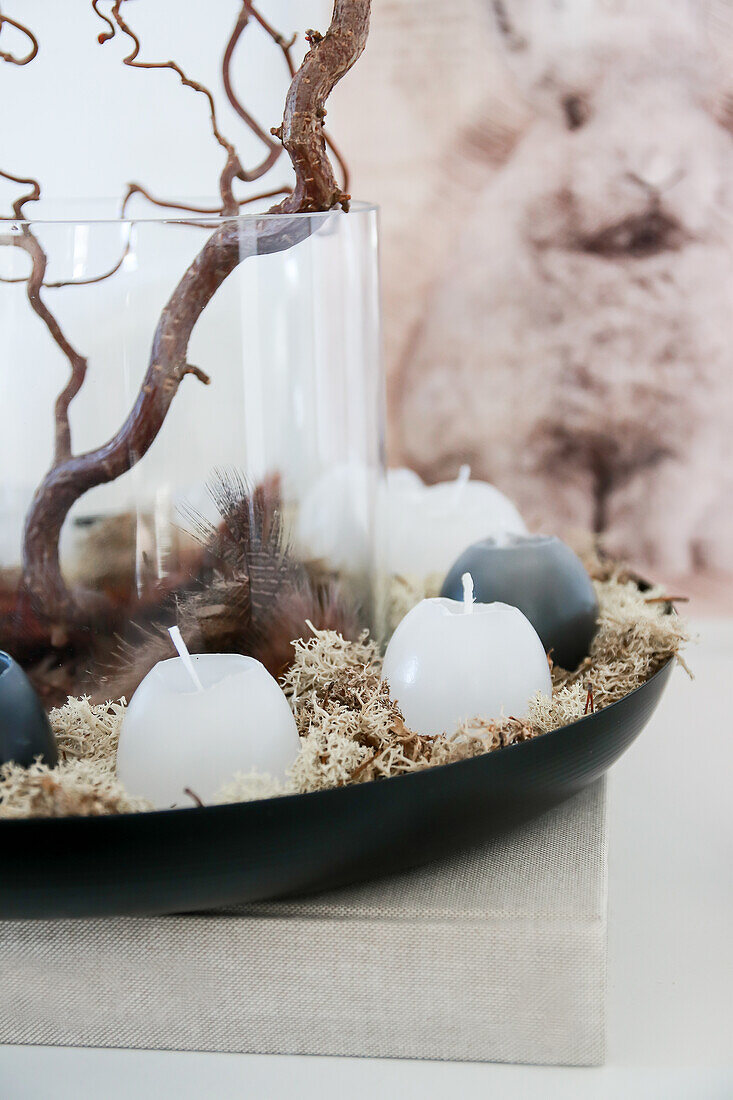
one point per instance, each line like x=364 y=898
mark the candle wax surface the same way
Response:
x=174 y=736
x=349 y=517
x=446 y=663
x=545 y=579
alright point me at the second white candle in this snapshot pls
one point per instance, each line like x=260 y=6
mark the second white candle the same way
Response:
x=449 y=661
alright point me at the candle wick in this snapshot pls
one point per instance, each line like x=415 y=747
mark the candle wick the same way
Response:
x=468 y=597
x=464 y=476
x=178 y=642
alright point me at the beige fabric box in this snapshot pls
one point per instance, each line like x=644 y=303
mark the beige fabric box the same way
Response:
x=495 y=955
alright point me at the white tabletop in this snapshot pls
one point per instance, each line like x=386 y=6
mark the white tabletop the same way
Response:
x=670 y=952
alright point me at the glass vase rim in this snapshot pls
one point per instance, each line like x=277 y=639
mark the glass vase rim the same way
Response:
x=357 y=206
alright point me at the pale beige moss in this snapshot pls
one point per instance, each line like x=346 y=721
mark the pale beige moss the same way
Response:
x=249 y=787
x=635 y=637
x=88 y=732
x=350 y=729
x=404 y=592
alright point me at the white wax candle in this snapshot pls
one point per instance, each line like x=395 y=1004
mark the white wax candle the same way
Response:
x=425 y=528
x=418 y=529
x=335 y=517
x=448 y=661
x=176 y=734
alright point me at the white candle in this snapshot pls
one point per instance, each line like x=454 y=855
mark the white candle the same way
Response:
x=448 y=661
x=425 y=528
x=418 y=529
x=335 y=517
x=195 y=727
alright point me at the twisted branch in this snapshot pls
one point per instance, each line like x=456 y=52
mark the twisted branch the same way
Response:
x=11 y=58
x=34 y=282
x=31 y=196
x=274 y=149
x=232 y=167
x=165 y=204
x=247 y=12
x=328 y=59
x=138 y=189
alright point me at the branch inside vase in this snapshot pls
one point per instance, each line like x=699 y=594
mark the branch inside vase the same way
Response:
x=302 y=135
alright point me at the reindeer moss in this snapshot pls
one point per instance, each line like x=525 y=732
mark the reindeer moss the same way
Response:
x=351 y=731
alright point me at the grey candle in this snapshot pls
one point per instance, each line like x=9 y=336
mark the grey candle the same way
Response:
x=25 y=731
x=543 y=578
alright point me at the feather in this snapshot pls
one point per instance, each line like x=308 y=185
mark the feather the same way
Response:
x=252 y=594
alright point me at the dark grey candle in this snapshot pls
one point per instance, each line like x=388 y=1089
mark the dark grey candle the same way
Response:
x=543 y=578
x=25 y=731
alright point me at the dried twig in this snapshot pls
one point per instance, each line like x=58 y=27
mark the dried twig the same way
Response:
x=274 y=149
x=248 y=11
x=165 y=204
x=590 y=702
x=31 y=196
x=232 y=167
x=329 y=59
x=34 y=282
x=33 y=49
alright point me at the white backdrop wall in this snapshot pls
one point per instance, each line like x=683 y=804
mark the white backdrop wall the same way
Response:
x=85 y=124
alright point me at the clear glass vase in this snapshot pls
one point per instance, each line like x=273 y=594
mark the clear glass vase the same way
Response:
x=278 y=313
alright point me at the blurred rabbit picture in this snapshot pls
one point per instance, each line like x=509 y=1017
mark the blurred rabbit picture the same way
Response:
x=573 y=252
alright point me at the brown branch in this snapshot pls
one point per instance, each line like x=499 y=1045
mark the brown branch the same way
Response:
x=285 y=44
x=330 y=57
x=69 y=479
x=138 y=189
x=590 y=699
x=32 y=196
x=34 y=282
x=249 y=11
x=316 y=189
x=273 y=148
x=232 y=167
x=339 y=158
x=78 y=364
x=11 y=58
x=166 y=204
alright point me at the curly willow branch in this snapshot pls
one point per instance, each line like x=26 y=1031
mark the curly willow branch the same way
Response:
x=328 y=59
x=10 y=57
x=34 y=282
x=274 y=149
x=232 y=168
x=31 y=196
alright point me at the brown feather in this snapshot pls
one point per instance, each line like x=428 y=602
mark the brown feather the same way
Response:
x=252 y=595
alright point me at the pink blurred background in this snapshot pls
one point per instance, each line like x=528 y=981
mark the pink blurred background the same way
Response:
x=557 y=189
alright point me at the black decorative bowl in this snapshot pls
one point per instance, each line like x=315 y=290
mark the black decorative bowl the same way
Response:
x=203 y=858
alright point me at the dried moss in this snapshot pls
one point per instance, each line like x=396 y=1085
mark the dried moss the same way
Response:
x=351 y=731
x=84 y=782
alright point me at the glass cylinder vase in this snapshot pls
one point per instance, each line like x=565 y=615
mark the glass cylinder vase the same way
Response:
x=150 y=366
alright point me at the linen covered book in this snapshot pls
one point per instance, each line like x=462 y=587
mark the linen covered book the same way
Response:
x=497 y=954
